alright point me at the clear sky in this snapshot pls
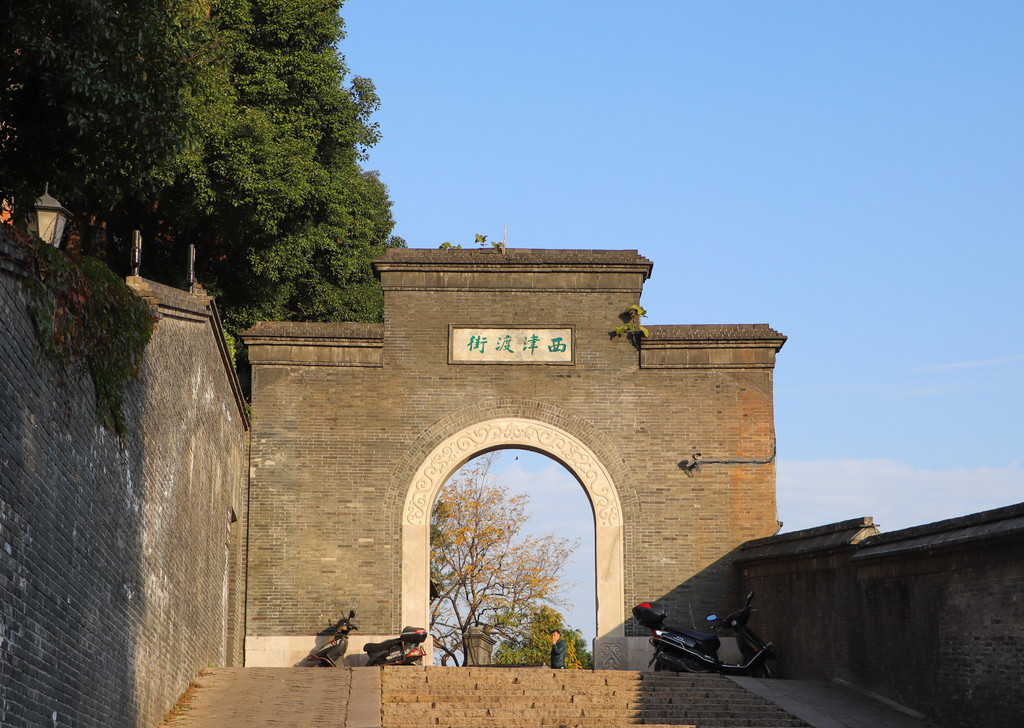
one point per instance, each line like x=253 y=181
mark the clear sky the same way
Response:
x=852 y=174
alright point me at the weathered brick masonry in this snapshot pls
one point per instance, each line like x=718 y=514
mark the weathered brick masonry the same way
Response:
x=931 y=616
x=344 y=415
x=119 y=575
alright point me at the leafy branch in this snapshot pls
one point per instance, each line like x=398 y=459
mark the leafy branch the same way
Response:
x=88 y=321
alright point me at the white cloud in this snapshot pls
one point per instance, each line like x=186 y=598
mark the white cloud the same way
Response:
x=979 y=364
x=896 y=495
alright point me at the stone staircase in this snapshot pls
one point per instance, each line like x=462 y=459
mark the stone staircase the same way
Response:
x=526 y=697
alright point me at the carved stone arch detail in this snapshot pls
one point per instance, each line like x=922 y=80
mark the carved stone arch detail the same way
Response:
x=578 y=428
x=456 y=450
x=452 y=444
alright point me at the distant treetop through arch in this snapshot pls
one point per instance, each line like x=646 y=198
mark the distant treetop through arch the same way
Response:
x=496 y=560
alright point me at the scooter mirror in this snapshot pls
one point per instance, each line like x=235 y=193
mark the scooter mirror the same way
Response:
x=351 y=613
x=712 y=617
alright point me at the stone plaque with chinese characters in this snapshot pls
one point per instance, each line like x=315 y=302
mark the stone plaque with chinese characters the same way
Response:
x=520 y=345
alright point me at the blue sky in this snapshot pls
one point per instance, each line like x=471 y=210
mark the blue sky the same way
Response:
x=852 y=174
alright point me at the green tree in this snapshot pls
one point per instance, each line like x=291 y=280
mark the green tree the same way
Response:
x=486 y=573
x=248 y=146
x=91 y=100
x=284 y=219
x=532 y=644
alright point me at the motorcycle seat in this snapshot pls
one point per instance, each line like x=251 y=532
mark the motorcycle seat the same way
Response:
x=379 y=646
x=700 y=636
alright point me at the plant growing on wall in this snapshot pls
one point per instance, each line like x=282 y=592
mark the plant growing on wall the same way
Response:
x=87 y=320
x=631 y=329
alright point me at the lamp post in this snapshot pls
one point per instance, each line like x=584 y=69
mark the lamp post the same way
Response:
x=48 y=219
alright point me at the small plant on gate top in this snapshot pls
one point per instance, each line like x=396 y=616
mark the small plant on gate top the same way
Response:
x=632 y=330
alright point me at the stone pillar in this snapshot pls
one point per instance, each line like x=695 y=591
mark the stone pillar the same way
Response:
x=478 y=646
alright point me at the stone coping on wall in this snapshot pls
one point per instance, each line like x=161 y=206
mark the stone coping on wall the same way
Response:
x=289 y=343
x=986 y=527
x=1000 y=524
x=197 y=306
x=807 y=542
x=272 y=331
x=710 y=346
x=12 y=258
x=520 y=269
x=166 y=301
x=459 y=258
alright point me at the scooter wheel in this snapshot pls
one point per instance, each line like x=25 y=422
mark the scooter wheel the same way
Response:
x=693 y=665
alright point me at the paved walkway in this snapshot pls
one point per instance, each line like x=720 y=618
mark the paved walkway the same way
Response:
x=835 y=704
x=274 y=697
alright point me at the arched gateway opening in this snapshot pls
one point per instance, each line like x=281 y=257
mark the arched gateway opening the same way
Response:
x=355 y=427
x=460 y=447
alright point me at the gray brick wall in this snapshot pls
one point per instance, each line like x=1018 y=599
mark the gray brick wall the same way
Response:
x=119 y=577
x=343 y=416
x=931 y=617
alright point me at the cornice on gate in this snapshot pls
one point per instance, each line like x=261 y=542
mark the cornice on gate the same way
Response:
x=710 y=346
x=451 y=269
x=315 y=344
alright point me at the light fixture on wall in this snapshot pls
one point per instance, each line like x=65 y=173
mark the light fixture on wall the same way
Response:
x=49 y=219
x=689 y=466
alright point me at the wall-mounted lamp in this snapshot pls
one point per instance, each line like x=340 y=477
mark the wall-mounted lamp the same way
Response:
x=48 y=219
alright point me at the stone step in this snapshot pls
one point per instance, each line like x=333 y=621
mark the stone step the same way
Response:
x=580 y=678
x=710 y=714
x=601 y=716
x=518 y=724
x=524 y=698
x=493 y=700
x=583 y=722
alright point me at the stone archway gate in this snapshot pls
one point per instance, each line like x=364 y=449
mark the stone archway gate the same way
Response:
x=357 y=426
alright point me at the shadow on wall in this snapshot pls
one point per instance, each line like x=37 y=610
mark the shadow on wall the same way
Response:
x=114 y=564
x=931 y=616
x=713 y=590
x=716 y=590
x=71 y=530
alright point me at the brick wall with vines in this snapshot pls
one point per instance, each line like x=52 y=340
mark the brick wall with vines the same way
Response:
x=121 y=520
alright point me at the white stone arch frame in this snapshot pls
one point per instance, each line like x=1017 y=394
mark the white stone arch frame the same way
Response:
x=580 y=460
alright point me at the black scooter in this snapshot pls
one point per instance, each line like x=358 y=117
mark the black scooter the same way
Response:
x=685 y=650
x=402 y=650
x=333 y=652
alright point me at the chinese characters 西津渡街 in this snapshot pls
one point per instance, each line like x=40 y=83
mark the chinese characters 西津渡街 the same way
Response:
x=512 y=345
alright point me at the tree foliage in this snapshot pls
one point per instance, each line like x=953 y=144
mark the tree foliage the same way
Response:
x=485 y=571
x=91 y=99
x=532 y=644
x=231 y=125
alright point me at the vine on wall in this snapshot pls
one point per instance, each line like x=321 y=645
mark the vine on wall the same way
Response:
x=87 y=320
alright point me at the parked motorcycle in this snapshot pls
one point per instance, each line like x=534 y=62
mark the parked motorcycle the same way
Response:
x=332 y=653
x=685 y=650
x=402 y=650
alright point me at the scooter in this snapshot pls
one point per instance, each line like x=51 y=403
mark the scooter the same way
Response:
x=333 y=652
x=402 y=650
x=685 y=650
